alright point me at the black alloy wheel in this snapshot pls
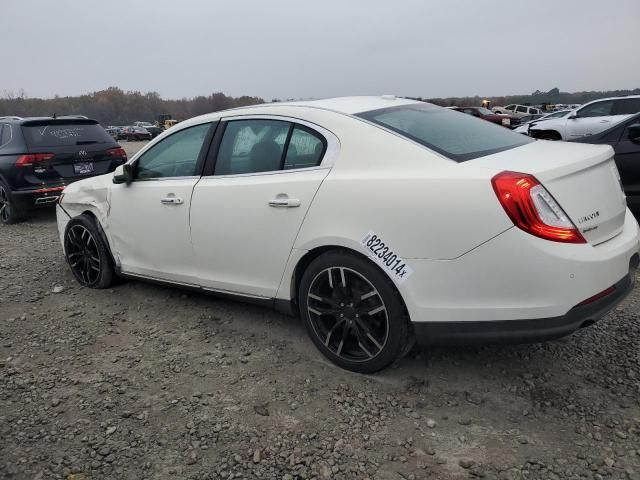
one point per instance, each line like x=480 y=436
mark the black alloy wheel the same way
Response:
x=347 y=312
x=86 y=253
x=353 y=312
x=8 y=212
x=83 y=255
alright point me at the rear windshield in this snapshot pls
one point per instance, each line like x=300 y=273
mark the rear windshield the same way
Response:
x=453 y=134
x=52 y=134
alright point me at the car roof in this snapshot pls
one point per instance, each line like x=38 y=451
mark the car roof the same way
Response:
x=357 y=104
x=343 y=105
x=611 y=98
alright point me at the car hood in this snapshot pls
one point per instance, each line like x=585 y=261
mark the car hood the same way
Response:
x=548 y=123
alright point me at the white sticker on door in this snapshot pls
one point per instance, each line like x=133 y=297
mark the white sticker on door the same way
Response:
x=384 y=256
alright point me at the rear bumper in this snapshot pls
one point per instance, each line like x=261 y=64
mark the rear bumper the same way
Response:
x=37 y=197
x=530 y=330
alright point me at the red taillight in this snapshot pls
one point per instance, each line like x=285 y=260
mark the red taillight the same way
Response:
x=49 y=190
x=117 y=152
x=598 y=296
x=532 y=208
x=33 y=158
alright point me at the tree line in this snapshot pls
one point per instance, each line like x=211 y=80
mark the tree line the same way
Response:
x=552 y=97
x=114 y=106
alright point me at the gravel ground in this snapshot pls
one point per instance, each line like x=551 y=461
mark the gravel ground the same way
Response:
x=142 y=381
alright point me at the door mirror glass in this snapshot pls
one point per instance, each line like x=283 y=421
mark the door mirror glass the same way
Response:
x=634 y=132
x=123 y=174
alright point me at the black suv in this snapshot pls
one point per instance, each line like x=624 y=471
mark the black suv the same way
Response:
x=40 y=156
x=624 y=137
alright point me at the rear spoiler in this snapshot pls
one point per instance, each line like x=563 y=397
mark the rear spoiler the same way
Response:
x=41 y=122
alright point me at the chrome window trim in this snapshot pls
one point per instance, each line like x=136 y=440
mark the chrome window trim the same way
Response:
x=160 y=179
x=328 y=160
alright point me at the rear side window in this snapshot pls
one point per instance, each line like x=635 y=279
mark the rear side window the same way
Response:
x=522 y=109
x=458 y=137
x=57 y=134
x=251 y=146
x=257 y=145
x=627 y=106
x=5 y=133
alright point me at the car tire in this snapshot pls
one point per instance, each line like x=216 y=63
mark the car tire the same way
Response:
x=87 y=254
x=549 y=136
x=9 y=214
x=352 y=312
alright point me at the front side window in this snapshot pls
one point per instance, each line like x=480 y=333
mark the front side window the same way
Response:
x=265 y=145
x=598 y=109
x=510 y=107
x=175 y=156
x=458 y=137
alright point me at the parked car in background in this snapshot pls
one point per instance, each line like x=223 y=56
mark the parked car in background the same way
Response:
x=40 y=156
x=311 y=207
x=137 y=133
x=485 y=114
x=531 y=118
x=113 y=131
x=591 y=118
x=524 y=125
x=143 y=124
x=517 y=110
x=624 y=137
x=154 y=131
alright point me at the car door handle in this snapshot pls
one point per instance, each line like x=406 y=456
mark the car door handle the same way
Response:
x=605 y=121
x=284 y=202
x=171 y=201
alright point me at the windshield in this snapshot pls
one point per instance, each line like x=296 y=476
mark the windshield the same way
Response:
x=54 y=134
x=458 y=137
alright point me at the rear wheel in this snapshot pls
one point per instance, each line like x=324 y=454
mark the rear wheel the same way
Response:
x=86 y=253
x=9 y=213
x=352 y=312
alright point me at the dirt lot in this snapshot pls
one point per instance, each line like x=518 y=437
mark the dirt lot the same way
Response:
x=142 y=381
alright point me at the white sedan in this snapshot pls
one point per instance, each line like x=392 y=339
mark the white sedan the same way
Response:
x=379 y=220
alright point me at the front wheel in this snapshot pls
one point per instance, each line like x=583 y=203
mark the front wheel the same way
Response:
x=87 y=254
x=549 y=136
x=352 y=312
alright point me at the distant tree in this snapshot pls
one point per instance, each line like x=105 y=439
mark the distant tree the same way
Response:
x=113 y=106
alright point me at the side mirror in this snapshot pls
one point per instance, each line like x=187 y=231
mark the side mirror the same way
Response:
x=123 y=174
x=634 y=132
x=573 y=115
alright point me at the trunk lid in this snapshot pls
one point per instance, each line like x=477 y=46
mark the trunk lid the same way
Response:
x=583 y=179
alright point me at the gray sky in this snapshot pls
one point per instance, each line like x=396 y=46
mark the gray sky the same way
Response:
x=304 y=48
